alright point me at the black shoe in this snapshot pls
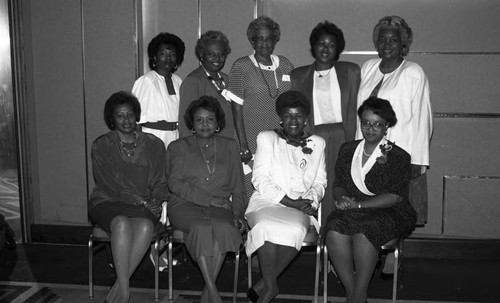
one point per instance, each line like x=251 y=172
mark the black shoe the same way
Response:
x=252 y=295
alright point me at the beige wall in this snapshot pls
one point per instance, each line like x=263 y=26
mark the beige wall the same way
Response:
x=455 y=41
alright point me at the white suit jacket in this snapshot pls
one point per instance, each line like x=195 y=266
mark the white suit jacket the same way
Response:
x=271 y=172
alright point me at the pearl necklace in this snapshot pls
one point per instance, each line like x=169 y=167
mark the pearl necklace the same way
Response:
x=129 y=152
x=207 y=162
x=366 y=154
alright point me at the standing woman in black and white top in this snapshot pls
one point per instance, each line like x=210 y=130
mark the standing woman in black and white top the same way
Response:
x=258 y=80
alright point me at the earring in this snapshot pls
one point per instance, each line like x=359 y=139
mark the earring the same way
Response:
x=305 y=123
x=217 y=129
x=281 y=122
x=193 y=131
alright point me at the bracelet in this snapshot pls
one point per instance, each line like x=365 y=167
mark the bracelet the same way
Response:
x=359 y=205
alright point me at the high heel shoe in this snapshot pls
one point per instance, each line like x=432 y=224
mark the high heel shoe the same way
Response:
x=252 y=295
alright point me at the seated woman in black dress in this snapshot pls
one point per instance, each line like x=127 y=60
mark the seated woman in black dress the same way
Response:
x=206 y=181
x=371 y=197
x=131 y=185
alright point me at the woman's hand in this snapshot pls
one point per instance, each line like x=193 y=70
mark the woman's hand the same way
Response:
x=246 y=155
x=346 y=203
x=221 y=202
x=304 y=205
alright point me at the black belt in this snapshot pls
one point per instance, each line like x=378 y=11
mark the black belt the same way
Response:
x=162 y=125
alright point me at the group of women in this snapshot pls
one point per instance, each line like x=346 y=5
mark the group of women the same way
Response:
x=295 y=128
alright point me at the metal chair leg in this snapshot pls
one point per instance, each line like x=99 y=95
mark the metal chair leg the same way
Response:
x=325 y=274
x=91 y=255
x=316 y=274
x=157 y=269
x=395 y=279
x=170 y=270
x=236 y=273
x=249 y=271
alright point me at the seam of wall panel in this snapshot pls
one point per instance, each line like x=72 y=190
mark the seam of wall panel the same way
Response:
x=467 y=115
x=84 y=100
x=374 y=53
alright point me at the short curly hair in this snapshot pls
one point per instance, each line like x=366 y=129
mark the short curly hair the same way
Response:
x=398 y=23
x=168 y=39
x=326 y=27
x=379 y=107
x=292 y=99
x=211 y=36
x=120 y=98
x=208 y=103
x=263 y=22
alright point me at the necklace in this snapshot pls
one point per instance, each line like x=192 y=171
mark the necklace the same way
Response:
x=320 y=75
x=366 y=154
x=218 y=83
x=265 y=81
x=129 y=152
x=207 y=162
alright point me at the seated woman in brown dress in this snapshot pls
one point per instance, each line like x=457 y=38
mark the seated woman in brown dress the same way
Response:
x=131 y=185
x=206 y=181
x=371 y=196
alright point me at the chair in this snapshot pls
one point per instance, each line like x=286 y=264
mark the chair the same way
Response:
x=395 y=245
x=101 y=236
x=177 y=236
x=312 y=238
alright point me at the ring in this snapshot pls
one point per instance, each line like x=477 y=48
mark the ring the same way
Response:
x=246 y=151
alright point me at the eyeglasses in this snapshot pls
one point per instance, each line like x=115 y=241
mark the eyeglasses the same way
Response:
x=377 y=126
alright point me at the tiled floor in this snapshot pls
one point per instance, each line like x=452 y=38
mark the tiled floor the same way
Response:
x=62 y=270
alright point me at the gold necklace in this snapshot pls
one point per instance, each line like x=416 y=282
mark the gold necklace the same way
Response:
x=207 y=162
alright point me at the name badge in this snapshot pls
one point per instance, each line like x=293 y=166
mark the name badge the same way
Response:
x=285 y=78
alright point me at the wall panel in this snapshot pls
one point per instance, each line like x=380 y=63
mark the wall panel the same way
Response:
x=109 y=60
x=58 y=93
x=232 y=18
x=178 y=17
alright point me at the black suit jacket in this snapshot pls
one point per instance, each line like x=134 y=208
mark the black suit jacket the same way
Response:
x=349 y=77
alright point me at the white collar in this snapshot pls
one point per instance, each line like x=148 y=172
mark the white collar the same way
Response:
x=274 y=59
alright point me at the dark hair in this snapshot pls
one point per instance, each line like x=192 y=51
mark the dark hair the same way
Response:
x=208 y=103
x=292 y=99
x=120 y=98
x=208 y=37
x=379 y=107
x=263 y=22
x=398 y=23
x=167 y=39
x=327 y=27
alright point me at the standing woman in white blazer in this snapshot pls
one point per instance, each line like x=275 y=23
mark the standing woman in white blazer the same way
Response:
x=289 y=177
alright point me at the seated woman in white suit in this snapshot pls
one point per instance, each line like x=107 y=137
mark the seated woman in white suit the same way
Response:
x=289 y=177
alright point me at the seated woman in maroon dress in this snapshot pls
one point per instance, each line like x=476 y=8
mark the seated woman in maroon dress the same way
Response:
x=206 y=181
x=371 y=196
x=131 y=185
